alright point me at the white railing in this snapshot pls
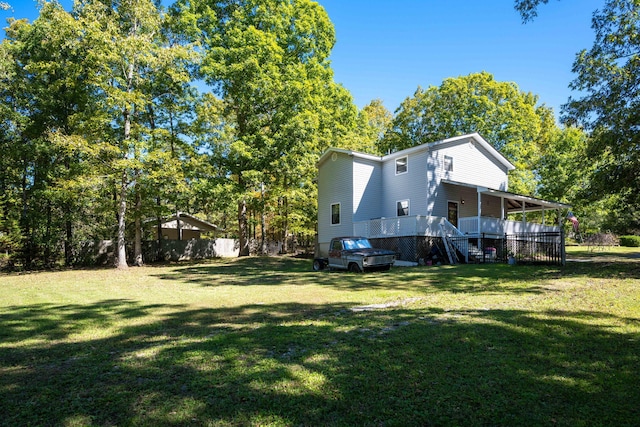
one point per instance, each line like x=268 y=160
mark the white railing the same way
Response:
x=430 y=226
x=499 y=227
x=398 y=227
x=449 y=229
x=453 y=239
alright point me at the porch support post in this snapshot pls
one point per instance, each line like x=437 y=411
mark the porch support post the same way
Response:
x=479 y=209
x=543 y=215
x=524 y=212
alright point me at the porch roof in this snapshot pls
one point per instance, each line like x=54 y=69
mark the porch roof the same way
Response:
x=513 y=202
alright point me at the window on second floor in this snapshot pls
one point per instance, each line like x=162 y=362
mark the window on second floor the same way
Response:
x=448 y=164
x=402 y=165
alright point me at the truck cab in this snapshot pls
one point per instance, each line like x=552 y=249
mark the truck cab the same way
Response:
x=356 y=255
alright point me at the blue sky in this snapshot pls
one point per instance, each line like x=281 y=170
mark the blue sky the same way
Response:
x=386 y=49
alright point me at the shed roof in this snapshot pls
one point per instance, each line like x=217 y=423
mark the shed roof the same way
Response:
x=188 y=222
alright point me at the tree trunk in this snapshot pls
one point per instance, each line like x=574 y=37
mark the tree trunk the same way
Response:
x=285 y=226
x=122 y=205
x=139 y=262
x=121 y=261
x=68 y=225
x=263 y=222
x=160 y=254
x=47 y=238
x=27 y=239
x=68 y=242
x=243 y=229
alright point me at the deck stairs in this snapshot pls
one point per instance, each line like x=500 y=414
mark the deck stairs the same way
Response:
x=475 y=253
x=454 y=242
x=450 y=249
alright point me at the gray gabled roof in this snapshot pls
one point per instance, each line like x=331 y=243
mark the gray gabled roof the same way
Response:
x=475 y=137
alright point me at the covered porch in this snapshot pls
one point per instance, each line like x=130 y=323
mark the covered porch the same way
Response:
x=485 y=213
x=496 y=212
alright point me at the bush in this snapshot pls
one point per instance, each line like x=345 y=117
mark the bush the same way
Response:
x=630 y=241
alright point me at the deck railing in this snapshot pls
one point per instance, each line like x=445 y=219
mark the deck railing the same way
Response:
x=419 y=225
x=398 y=227
x=498 y=227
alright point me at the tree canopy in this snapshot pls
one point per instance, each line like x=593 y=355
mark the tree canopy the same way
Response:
x=103 y=101
x=267 y=60
x=508 y=118
x=608 y=78
x=119 y=113
x=606 y=106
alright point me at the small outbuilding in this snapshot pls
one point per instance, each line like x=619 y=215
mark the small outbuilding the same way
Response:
x=183 y=226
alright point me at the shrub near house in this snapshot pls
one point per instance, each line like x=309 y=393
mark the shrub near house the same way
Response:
x=630 y=241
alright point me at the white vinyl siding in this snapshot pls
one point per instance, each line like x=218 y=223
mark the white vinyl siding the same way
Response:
x=471 y=164
x=367 y=183
x=408 y=186
x=335 y=185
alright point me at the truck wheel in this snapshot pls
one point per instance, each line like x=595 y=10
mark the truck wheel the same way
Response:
x=318 y=265
x=354 y=268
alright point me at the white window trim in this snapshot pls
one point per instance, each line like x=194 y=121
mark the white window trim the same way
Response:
x=339 y=214
x=444 y=163
x=406 y=158
x=408 y=206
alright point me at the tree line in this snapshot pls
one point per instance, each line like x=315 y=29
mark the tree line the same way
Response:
x=119 y=113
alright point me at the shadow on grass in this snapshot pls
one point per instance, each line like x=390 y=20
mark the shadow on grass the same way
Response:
x=470 y=278
x=277 y=271
x=295 y=364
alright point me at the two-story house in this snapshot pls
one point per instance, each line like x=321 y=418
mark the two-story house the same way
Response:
x=455 y=190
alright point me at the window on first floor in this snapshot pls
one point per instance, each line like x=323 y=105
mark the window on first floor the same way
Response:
x=335 y=213
x=402 y=207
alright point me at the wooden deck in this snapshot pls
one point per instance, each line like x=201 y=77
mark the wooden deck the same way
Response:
x=431 y=226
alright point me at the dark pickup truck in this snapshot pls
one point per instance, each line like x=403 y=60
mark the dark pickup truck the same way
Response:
x=356 y=255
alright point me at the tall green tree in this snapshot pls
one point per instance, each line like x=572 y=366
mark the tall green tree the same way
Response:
x=374 y=120
x=60 y=102
x=511 y=120
x=267 y=60
x=46 y=98
x=608 y=105
x=11 y=130
x=124 y=43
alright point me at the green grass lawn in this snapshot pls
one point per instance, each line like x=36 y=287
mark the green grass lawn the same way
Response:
x=267 y=341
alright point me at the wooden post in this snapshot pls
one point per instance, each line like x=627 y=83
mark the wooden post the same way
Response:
x=563 y=252
x=178 y=226
x=479 y=211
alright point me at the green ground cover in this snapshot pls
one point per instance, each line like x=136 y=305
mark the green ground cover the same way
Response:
x=267 y=341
